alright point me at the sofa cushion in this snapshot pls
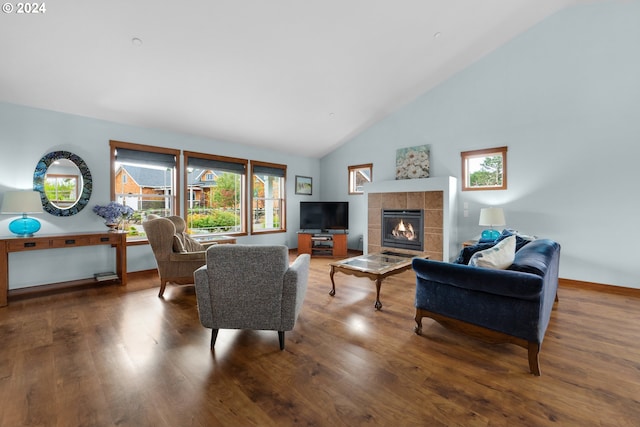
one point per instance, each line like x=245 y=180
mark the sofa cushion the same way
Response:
x=536 y=258
x=499 y=256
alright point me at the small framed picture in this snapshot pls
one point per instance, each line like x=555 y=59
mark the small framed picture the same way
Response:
x=303 y=185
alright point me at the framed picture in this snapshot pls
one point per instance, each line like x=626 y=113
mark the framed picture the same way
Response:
x=304 y=185
x=412 y=162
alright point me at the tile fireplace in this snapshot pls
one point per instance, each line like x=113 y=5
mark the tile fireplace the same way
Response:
x=403 y=229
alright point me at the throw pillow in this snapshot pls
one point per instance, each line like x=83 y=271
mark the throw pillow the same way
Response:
x=192 y=245
x=500 y=256
x=178 y=246
x=466 y=253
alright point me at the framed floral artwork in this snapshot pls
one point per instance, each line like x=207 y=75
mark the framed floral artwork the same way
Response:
x=412 y=162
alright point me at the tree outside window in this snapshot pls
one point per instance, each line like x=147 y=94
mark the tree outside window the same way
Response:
x=484 y=169
x=216 y=189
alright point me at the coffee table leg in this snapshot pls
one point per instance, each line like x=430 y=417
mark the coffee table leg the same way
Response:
x=332 y=292
x=378 y=304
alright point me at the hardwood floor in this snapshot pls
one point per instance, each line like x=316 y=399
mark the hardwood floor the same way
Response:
x=122 y=356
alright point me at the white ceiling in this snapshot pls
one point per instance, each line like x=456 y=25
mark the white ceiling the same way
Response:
x=299 y=76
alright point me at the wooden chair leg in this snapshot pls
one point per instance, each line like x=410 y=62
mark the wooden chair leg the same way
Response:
x=534 y=365
x=281 y=339
x=163 y=284
x=214 y=335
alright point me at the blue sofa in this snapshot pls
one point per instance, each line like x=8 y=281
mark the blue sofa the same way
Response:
x=512 y=305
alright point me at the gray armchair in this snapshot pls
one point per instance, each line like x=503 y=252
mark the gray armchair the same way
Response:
x=177 y=256
x=251 y=287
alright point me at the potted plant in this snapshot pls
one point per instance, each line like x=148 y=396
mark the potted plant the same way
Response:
x=113 y=213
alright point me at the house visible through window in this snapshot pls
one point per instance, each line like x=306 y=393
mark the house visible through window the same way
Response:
x=268 y=197
x=145 y=179
x=215 y=194
x=358 y=176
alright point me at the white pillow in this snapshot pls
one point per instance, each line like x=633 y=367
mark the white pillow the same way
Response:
x=500 y=256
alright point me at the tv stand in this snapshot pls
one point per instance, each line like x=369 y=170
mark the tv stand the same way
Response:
x=331 y=244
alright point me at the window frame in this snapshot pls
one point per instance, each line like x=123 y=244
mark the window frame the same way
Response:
x=352 y=170
x=175 y=185
x=243 y=197
x=282 y=198
x=467 y=156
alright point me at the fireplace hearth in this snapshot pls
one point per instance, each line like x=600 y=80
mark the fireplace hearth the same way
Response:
x=403 y=229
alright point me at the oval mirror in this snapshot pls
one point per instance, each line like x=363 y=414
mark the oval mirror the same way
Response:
x=64 y=182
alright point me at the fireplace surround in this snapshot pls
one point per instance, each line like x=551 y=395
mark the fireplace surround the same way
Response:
x=403 y=229
x=435 y=196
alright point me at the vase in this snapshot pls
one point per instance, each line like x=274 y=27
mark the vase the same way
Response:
x=113 y=226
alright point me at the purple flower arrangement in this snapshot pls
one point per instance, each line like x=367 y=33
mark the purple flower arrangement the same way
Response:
x=113 y=212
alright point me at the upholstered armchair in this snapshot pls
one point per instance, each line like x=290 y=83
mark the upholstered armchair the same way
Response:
x=177 y=255
x=251 y=287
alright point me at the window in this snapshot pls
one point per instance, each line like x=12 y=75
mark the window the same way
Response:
x=215 y=193
x=484 y=169
x=144 y=178
x=267 y=197
x=61 y=190
x=358 y=175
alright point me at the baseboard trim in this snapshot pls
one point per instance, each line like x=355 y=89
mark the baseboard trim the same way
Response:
x=599 y=287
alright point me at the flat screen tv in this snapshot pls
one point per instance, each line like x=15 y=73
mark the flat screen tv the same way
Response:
x=324 y=216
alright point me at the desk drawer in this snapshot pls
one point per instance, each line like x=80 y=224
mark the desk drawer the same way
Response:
x=65 y=242
x=112 y=238
x=27 y=245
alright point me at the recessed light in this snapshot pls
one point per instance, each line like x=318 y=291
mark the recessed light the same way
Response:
x=136 y=41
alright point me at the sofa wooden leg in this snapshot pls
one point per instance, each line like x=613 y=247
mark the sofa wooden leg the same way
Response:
x=534 y=365
x=281 y=339
x=214 y=335
x=418 y=328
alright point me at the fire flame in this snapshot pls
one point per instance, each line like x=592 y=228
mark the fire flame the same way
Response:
x=404 y=231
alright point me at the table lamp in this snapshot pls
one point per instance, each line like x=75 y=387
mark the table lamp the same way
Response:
x=22 y=202
x=491 y=217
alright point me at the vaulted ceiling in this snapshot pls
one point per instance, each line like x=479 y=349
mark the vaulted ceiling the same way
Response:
x=299 y=76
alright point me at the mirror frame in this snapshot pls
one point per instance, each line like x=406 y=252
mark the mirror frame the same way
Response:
x=40 y=174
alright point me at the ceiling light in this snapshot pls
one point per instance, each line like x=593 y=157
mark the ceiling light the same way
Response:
x=437 y=35
x=136 y=41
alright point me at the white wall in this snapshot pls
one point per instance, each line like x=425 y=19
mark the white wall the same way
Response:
x=565 y=98
x=26 y=134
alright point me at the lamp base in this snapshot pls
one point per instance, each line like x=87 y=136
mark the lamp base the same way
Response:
x=24 y=227
x=490 y=235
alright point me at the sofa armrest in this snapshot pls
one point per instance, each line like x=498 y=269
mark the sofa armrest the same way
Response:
x=294 y=290
x=509 y=283
x=203 y=296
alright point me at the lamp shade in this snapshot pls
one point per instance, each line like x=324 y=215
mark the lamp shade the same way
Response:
x=492 y=216
x=21 y=202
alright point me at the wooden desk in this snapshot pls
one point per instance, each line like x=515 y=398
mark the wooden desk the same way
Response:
x=117 y=240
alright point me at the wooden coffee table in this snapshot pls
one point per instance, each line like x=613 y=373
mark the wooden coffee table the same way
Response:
x=375 y=266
